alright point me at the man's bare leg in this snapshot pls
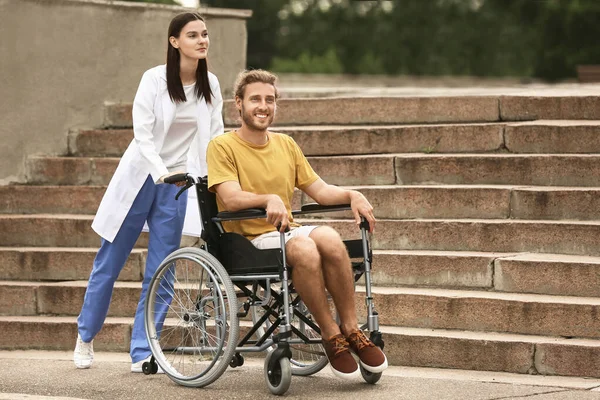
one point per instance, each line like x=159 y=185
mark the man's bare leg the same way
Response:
x=337 y=274
x=302 y=254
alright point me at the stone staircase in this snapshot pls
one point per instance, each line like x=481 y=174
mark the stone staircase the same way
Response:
x=487 y=249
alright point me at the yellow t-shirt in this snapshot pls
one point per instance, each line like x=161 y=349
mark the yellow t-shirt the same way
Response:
x=273 y=168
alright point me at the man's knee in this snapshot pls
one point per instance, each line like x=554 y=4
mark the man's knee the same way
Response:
x=329 y=243
x=302 y=252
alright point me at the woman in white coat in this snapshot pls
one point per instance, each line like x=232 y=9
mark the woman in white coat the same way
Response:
x=176 y=111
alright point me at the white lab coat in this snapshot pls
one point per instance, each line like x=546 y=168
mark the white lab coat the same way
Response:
x=153 y=114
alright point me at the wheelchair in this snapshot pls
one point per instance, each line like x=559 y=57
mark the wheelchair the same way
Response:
x=199 y=299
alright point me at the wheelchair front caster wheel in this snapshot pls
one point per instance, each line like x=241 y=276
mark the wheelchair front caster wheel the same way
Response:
x=236 y=361
x=377 y=339
x=278 y=374
x=150 y=367
x=370 y=377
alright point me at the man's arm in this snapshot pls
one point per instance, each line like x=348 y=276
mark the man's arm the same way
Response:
x=326 y=194
x=235 y=199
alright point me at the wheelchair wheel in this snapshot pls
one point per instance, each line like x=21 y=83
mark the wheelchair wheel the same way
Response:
x=307 y=359
x=370 y=377
x=279 y=375
x=191 y=317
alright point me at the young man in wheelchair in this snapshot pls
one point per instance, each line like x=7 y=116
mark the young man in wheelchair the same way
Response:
x=252 y=167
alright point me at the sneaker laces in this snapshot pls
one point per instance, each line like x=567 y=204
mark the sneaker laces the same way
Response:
x=339 y=344
x=360 y=340
x=84 y=348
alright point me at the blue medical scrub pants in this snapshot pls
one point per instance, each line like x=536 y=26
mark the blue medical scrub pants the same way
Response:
x=157 y=205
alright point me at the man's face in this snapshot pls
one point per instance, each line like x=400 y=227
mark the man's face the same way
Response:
x=258 y=106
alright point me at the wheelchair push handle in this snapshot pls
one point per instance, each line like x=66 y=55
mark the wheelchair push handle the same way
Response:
x=189 y=182
x=364 y=224
x=287 y=228
x=176 y=178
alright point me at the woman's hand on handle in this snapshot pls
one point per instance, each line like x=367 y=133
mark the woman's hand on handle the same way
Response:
x=178 y=183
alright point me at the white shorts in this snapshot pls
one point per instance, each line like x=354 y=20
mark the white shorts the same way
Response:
x=272 y=240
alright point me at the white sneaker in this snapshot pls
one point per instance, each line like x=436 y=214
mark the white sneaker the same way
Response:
x=83 y=356
x=137 y=367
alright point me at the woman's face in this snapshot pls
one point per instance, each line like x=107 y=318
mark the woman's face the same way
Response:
x=193 y=40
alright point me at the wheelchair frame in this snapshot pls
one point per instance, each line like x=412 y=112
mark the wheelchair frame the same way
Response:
x=231 y=259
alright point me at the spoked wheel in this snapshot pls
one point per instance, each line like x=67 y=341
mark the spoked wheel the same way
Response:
x=307 y=358
x=191 y=317
x=278 y=374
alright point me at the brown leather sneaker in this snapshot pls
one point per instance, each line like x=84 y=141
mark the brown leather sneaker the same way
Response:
x=371 y=357
x=341 y=361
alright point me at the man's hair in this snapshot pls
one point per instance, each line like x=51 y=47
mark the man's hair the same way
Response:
x=252 y=76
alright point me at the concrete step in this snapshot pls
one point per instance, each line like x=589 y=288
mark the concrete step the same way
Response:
x=477 y=201
x=497 y=169
x=352 y=111
x=550 y=274
x=99 y=142
x=70 y=170
x=509 y=272
x=531 y=107
x=415 y=347
x=523 y=354
x=31 y=199
x=366 y=170
x=543 y=136
x=554 y=274
x=530 y=314
x=555 y=203
x=404 y=169
x=407 y=110
x=60 y=263
x=62 y=298
x=491 y=235
x=553 y=136
x=332 y=140
x=51 y=230
x=389 y=201
x=488 y=235
x=60 y=333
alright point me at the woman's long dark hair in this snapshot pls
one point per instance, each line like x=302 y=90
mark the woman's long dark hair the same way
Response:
x=174 y=84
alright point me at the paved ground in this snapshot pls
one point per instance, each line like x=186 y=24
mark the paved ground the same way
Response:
x=51 y=375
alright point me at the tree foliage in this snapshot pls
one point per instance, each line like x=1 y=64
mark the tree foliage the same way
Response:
x=540 y=38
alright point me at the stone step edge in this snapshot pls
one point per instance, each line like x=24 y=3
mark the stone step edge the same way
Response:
x=59 y=249
x=445 y=186
x=375 y=155
x=379 y=290
x=385 y=329
x=338 y=220
x=519 y=256
x=536 y=122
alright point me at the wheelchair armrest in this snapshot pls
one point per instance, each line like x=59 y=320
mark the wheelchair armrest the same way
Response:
x=318 y=208
x=250 y=213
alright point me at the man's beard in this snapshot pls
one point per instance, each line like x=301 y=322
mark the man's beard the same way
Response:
x=248 y=119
